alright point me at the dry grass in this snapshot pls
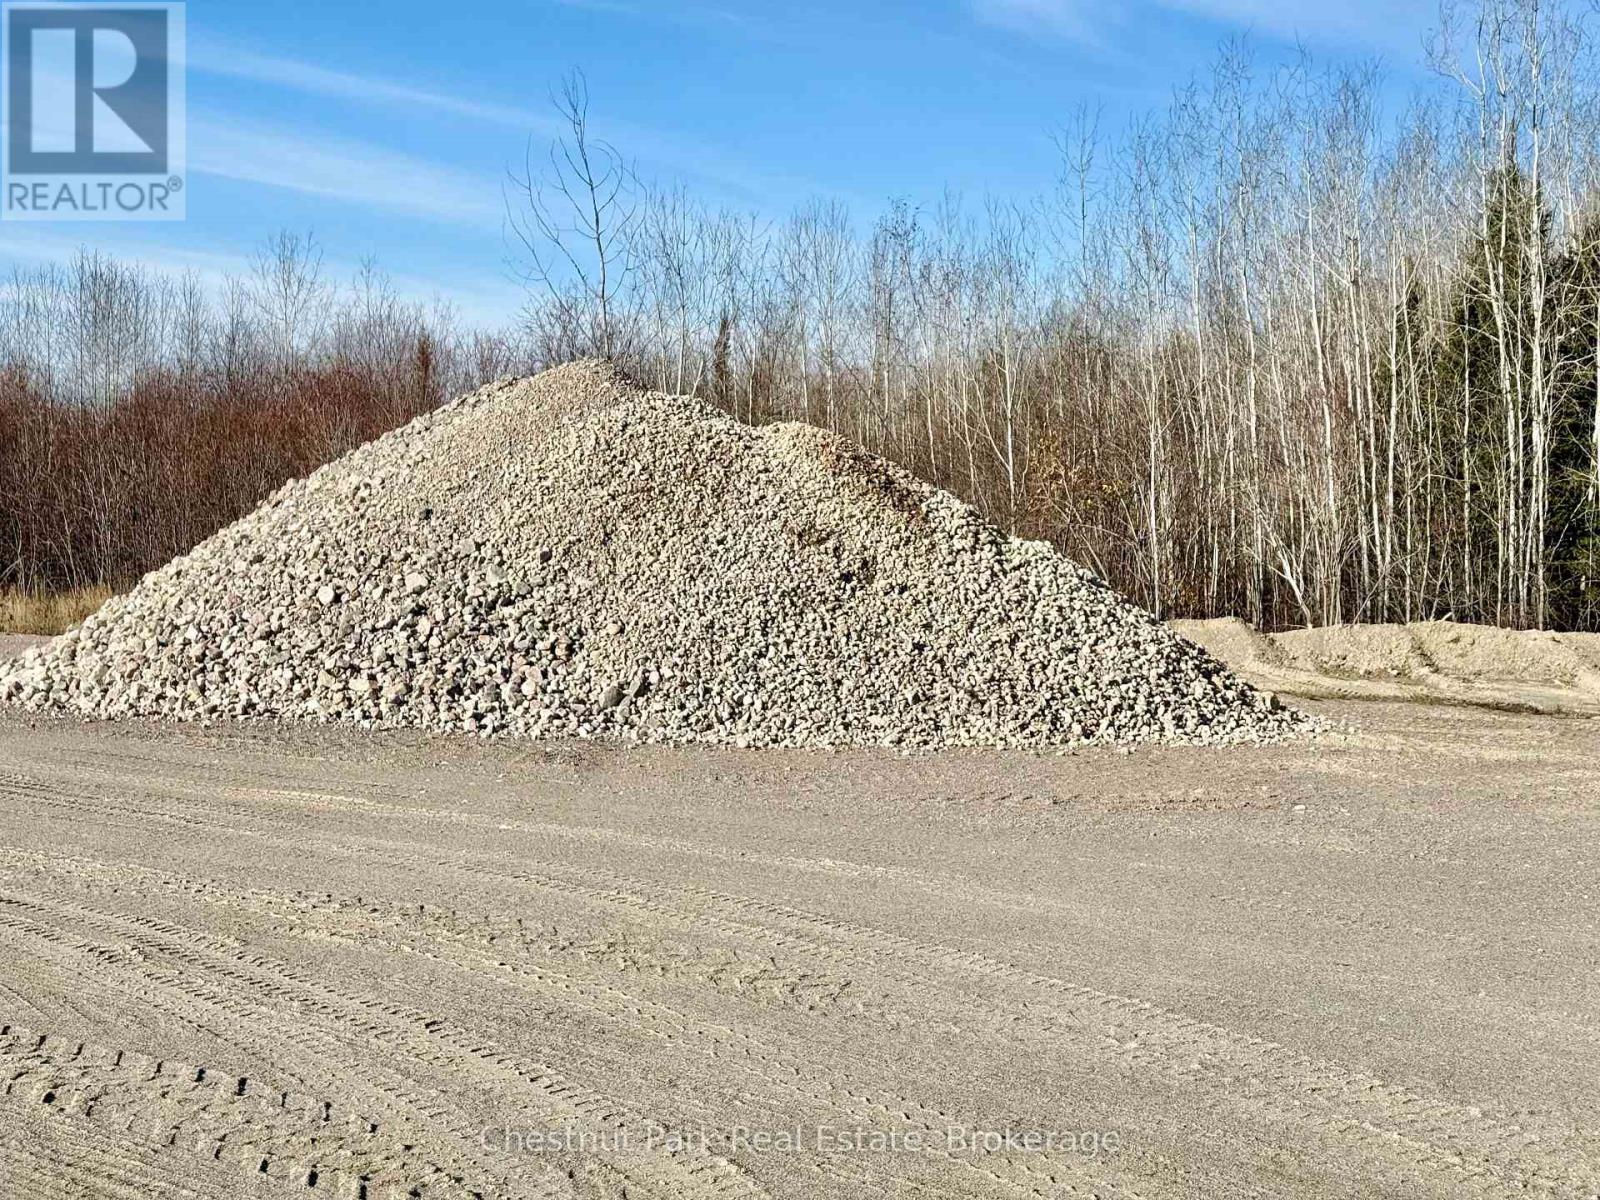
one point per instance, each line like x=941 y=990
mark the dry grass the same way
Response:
x=50 y=613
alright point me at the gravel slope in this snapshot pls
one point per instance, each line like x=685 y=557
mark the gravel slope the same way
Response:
x=1358 y=968
x=567 y=555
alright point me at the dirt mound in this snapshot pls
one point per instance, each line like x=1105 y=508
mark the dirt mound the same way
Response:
x=1444 y=660
x=569 y=555
x=1472 y=653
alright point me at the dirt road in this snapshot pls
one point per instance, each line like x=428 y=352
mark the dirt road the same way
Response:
x=239 y=962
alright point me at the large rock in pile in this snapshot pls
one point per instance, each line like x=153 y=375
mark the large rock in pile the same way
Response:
x=568 y=555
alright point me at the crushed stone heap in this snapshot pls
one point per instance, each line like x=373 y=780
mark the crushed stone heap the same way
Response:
x=569 y=555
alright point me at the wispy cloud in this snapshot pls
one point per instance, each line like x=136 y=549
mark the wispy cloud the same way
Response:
x=768 y=27
x=347 y=170
x=1368 y=24
x=1077 y=20
x=294 y=75
x=661 y=153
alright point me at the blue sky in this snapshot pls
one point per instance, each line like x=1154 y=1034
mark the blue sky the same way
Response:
x=388 y=129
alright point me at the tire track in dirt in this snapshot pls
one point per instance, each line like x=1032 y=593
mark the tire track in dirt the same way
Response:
x=390 y=1029
x=955 y=887
x=1435 y=1135
x=1346 y=1108
x=737 y=1052
x=1463 y=1143
x=398 y=1106
x=52 y=1157
x=283 y=1136
x=1384 y=1117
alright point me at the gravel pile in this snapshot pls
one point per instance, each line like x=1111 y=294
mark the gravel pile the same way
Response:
x=567 y=555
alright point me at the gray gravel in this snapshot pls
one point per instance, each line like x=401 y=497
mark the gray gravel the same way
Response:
x=566 y=555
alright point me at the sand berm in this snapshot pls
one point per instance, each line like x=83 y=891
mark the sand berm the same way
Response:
x=571 y=555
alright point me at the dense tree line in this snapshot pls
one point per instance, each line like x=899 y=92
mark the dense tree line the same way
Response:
x=140 y=413
x=1277 y=351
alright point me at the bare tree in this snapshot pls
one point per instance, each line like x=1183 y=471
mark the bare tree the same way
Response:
x=574 y=214
x=287 y=289
x=1267 y=352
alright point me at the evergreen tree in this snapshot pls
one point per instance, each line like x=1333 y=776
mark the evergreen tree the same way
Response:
x=1573 y=532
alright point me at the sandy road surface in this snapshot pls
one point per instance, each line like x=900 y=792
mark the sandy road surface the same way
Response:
x=238 y=962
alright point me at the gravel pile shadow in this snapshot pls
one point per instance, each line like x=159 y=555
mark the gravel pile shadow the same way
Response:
x=570 y=555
